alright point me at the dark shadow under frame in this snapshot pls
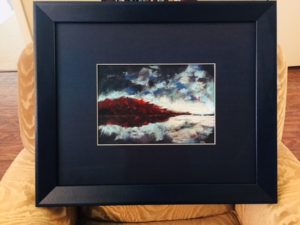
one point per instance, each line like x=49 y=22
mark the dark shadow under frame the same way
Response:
x=47 y=14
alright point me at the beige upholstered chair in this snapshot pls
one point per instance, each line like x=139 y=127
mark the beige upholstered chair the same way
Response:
x=17 y=194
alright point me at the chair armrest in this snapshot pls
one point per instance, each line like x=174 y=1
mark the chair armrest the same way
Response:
x=287 y=210
x=17 y=197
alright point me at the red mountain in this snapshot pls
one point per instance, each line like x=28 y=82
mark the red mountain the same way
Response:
x=131 y=112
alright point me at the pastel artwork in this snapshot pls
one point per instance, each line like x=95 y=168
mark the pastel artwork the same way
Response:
x=156 y=104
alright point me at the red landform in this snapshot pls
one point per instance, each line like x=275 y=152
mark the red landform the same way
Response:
x=131 y=112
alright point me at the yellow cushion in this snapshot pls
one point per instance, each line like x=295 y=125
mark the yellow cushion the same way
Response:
x=281 y=92
x=287 y=211
x=121 y=213
x=17 y=197
x=146 y=213
x=224 y=219
x=27 y=97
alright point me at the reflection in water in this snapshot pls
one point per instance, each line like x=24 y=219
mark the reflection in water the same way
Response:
x=183 y=129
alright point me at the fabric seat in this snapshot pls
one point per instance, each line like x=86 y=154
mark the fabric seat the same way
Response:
x=224 y=219
x=17 y=190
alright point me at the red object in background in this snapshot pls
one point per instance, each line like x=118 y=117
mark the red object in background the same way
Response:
x=131 y=112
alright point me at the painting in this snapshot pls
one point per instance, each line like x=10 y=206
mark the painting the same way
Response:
x=148 y=104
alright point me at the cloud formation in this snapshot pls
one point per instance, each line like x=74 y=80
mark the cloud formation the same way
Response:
x=188 y=87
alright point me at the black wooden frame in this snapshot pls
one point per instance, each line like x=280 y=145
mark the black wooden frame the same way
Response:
x=48 y=14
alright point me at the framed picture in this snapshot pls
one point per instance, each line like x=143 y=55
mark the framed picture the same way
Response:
x=156 y=103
